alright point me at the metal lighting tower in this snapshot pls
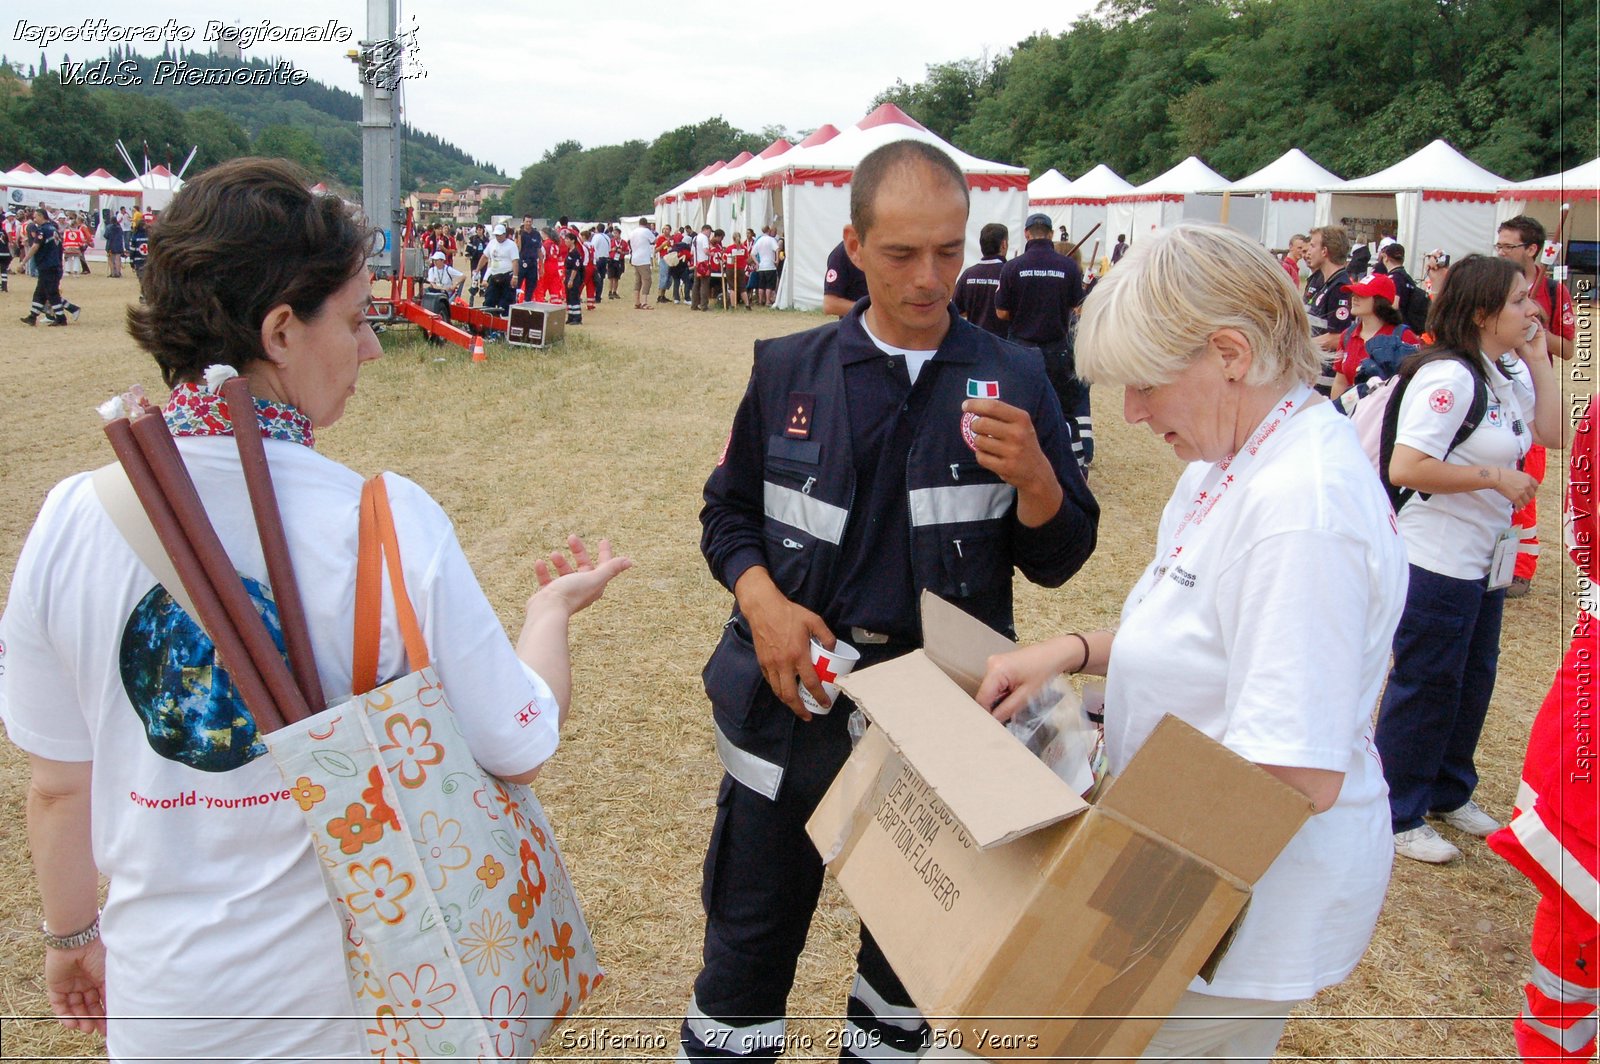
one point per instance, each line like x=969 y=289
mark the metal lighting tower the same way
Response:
x=380 y=60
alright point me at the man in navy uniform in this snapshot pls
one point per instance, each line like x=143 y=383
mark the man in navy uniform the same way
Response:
x=1327 y=302
x=975 y=291
x=1039 y=290
x=530 y=256
x=45 y=255
x=843 y=285
x=859 y=472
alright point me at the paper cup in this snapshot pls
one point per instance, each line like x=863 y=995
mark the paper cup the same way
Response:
x=830 y=666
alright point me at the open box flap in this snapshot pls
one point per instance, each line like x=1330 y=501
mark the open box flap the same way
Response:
x=983 y=776
x=1228 y=812
x=959 y=643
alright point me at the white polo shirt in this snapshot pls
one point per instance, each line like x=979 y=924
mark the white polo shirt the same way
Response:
x=1453 y=535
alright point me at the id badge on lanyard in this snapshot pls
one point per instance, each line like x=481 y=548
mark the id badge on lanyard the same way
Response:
x=1228 y=476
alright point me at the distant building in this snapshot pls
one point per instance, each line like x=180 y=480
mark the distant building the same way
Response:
x=452 y=206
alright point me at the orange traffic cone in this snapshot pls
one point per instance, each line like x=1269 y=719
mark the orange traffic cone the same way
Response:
x=477 y=350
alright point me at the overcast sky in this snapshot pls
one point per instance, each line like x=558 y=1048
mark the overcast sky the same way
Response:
x=506 y=80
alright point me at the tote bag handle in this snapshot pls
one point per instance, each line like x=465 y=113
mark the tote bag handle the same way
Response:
x=380 y=548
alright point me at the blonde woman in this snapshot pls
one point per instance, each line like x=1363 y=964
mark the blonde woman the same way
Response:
x=1265 y=616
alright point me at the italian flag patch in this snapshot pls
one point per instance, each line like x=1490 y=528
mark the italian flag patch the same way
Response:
x=982 y=389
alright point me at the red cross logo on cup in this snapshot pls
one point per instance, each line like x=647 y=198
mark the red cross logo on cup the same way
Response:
x=825 y=671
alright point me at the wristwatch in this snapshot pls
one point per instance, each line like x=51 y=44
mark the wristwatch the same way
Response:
x=82 y=938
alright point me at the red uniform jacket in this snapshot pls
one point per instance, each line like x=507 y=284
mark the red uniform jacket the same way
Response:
x=1554 y=837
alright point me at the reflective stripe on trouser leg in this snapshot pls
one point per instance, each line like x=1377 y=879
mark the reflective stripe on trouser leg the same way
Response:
x=702 y=1037
x=1558 y=1015
x=882 y=1024
x=762 y=876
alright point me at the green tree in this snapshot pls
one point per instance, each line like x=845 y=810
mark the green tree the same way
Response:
x=216 y=137
x=947 y=98
x=139 y=121
x=296 y=145
x=69 y=126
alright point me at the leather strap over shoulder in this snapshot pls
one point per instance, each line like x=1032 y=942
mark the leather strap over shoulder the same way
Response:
x=379 y=549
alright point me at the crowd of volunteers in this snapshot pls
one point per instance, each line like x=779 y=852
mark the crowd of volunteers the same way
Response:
x=583 y=266
x=1334 y=624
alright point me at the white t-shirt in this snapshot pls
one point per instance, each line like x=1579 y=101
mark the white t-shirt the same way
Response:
x=1271 y=635
x=1453 y=535
x=641 y=247
x=445 y=277
x=499 y=257
x=602 y=245
x=702 y=248
x=915 y=360
x=765 y=252
x=216 y=909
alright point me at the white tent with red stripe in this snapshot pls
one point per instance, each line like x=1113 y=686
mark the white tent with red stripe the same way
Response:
x=105 y=184
x=1083 y=206
x=670 y=205
x=1434 y=198
x=61 y=188
x=763 y=193
x=1274 y=203
x=1164 y=200
x=738 y=198
x=1048 y=189
x=813 y=187
x=1543 y=198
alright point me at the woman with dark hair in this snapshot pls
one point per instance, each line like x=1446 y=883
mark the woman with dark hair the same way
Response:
x=219 y=939
x=1488 y=359
x=1372 y=307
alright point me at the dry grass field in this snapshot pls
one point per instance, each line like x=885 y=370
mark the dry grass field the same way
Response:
x=612 y=435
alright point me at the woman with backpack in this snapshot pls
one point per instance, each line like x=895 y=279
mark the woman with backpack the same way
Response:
x=1488 y=359
x=1372 y=305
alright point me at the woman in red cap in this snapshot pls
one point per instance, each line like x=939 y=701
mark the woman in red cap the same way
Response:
x=1372 y=307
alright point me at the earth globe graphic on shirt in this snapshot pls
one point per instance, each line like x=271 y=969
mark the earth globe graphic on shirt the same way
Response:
x=191 y=710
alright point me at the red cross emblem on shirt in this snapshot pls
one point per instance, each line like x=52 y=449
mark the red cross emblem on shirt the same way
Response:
x=526 y=715
x=824 y=669
x=1288 y=404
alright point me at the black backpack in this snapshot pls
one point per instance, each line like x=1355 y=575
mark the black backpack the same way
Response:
x=1479 y=405
x=1413 y=307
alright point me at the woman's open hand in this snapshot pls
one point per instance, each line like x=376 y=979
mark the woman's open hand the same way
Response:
x=578 y=582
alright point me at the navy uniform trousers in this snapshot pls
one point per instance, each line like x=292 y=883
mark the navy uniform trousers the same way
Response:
x=761 y=883
x=1060 y=366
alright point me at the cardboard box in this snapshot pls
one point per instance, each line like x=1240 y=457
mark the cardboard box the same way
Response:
x=1023 y=921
